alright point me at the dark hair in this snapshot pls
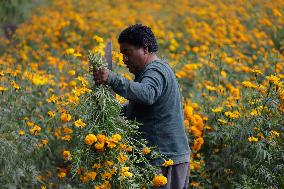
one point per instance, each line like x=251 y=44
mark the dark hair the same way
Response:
x=139 y=36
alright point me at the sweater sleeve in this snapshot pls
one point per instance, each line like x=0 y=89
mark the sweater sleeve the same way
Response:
x=145 y=92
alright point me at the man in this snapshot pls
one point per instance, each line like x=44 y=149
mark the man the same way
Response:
x=154 y=100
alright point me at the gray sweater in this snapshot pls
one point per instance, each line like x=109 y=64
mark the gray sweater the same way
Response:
x=155 y=101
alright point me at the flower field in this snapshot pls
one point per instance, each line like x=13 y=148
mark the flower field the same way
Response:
x=60 y=130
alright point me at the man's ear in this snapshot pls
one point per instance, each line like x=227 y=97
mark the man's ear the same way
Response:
x=145 y=49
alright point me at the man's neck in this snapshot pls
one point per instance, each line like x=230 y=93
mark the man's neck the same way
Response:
x=151 y=58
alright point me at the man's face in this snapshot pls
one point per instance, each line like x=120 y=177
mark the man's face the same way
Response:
x=133 y=57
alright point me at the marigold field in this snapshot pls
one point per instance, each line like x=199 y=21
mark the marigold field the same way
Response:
x=59 y=130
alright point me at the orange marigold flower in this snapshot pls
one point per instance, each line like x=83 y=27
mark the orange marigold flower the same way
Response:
x=65 y=117
x=90 y=139
x=146 y=150
x=160 y=180
x=66 y=155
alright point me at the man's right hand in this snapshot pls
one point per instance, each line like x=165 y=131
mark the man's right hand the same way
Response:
x=101 y=75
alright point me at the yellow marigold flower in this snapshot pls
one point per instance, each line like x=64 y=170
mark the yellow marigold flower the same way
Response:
x=195 y=49
x=160 y=180
x=35 y=130
x=70 y=51
x=65 y=117
x=120 y=99
x=52 y=99
x=84 y=82
x=66 y=138
x=256 y=71
x=77 y=54
x=210 y=88
x=222 y=121
x=15 y=85
x=122 y=158
x=223 y=74
x=72 y=83
x=207 y=127
x=71 y=72
x=252 y=139
x=110 y=144
x=66 y=155
x=51 y=113
x=43 y=187
x=234 y=114
x=96 y=166
x=44 y=142
x=106 y=175
x=29 y=124
x=261 y=136
x=194 y=184
x=67 y=130
x=275 y=133
x=124 y=169
x=146 y=150
x=108 y=163
x=127 y=174
x=248 y=84
x=21 y=132
x=90 y=139
x=255 y=112
x=217 y=110
x=129 y=149
x=73 y=99
x=3 y=88
x=116 y=138
x=229 y=60
x=273 y=79
x=79 y=123
x=168 y=163
x=98 y=39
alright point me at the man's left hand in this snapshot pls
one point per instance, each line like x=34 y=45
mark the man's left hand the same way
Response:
x=101 y=75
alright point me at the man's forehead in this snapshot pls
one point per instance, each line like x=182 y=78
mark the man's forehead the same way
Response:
x=125 y=47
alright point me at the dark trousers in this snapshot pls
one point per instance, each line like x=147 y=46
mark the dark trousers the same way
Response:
x=177 y=175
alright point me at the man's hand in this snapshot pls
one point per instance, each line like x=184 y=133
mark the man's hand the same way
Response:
x=101 y=75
